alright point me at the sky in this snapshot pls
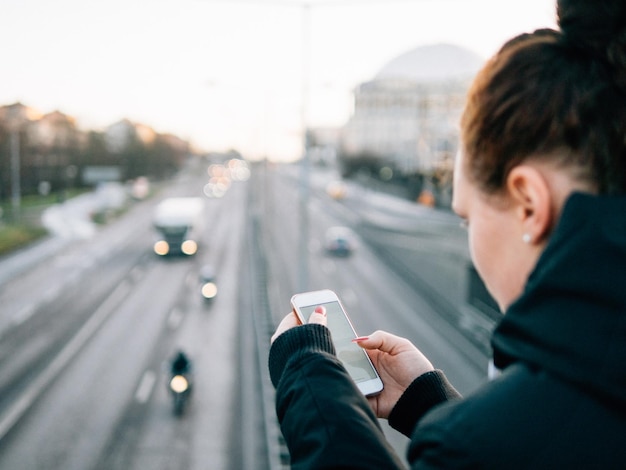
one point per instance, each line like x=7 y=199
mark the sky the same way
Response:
x=230 y=74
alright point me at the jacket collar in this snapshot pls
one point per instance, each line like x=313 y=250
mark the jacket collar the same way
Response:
x=571 y=318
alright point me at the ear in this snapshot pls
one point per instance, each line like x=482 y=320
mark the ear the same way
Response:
x=531 y=196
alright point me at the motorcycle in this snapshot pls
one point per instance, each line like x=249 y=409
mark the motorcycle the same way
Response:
x=180 y=384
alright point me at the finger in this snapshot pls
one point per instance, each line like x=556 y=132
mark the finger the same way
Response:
x=300 y=322
x=383 y=341
x=319 y=316
x=288 y=322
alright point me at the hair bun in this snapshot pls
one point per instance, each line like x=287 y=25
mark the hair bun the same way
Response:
x=597 y=27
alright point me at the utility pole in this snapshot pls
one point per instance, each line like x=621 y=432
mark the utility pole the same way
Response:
x=303 y=262
x=16 y=190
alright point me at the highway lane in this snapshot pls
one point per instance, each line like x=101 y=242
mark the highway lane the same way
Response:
x=106 y=405
x=375 y=295
x=58 y=298
x=442 y=253
x=149 y=436
x=43 y=307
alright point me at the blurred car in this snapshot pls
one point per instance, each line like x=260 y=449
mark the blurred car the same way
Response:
x=339 y=241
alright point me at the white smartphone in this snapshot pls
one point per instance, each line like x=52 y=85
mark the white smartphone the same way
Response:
x=354 y=358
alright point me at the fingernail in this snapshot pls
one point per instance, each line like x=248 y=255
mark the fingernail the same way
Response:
x=360 y=338
x=321 y=310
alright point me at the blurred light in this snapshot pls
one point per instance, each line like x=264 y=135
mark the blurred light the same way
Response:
x=208 y=190
x=161 y=248
x=219 y=185
x=209 y=290
x=426 y=198
x=189 y=247
x=385 y=173
x=241 y=174
x=140 y=188
x=179 y=384
x=212 y=190
x=224 y=181
x=216 y=170
x=336 y=189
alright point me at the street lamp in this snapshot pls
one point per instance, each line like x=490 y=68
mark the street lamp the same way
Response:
x=15 y=123
x=303 y=263
x=16 y=190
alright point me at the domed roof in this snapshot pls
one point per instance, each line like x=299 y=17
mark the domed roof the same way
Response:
x=433 y=63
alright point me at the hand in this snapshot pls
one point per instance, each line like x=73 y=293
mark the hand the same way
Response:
x=291 y=320
x=398 y=363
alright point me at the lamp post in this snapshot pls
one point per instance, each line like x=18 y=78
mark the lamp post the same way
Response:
x=16 y=189
x=303 y=251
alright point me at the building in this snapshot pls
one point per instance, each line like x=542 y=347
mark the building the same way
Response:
x=17 y=113
x=48 y=153
x=123 y=133
x=407 y=116
x=42 y=150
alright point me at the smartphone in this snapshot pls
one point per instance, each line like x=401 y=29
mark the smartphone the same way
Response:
x=354 y=358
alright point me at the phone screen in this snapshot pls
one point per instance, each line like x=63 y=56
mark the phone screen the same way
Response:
x=350 y=354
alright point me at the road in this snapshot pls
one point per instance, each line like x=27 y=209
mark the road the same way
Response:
x=85 y=334
x=423 y=299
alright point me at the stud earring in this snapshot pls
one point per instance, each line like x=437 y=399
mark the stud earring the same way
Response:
x=526 y=238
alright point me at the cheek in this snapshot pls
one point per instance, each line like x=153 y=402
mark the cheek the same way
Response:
x=479 y=251
x=490 y=259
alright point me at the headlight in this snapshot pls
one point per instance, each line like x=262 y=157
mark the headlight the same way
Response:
x=179 y=384
x=161 y=248
x=209 y=290
x=189 y=247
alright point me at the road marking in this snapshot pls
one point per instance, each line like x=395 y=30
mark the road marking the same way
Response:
x=145 y=386
x=15 y=412
x=327 y=266
x=23 y=315
x=51 y=293
x=175 y=318
x=136 y=273
x=348 y=297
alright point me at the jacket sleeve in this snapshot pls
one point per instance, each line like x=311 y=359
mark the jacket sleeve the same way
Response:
x=426 y=391
x=324 y=418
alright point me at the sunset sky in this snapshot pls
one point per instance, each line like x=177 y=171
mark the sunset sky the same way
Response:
x=229 y=74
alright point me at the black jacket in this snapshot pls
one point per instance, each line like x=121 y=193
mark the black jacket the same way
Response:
x=559 y=403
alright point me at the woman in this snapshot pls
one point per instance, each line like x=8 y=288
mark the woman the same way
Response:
x=541 y=183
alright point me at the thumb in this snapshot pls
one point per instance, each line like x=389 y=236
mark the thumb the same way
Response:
x=319 y=316
x=383 y=341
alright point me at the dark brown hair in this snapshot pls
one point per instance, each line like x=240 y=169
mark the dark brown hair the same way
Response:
x=557 y=95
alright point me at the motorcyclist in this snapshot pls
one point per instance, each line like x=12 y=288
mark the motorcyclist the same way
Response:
x=180 y=363
x=180 y=384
